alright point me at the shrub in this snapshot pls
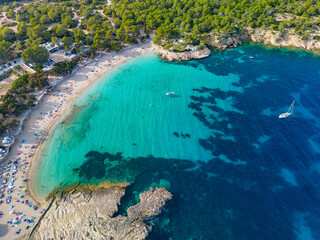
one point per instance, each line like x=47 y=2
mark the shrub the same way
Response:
x=20 y=81
x=167 y=47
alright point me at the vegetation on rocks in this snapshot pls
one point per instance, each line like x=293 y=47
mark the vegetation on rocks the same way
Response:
x=191 y=19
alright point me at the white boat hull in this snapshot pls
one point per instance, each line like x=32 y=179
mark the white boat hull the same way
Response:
x=284 y=115
x=287 y=114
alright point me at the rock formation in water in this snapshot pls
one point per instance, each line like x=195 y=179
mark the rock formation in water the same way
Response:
x=90 y=215
x=184 y=56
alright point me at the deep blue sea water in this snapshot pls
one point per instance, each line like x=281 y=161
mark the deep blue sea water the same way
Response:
x=235 y=169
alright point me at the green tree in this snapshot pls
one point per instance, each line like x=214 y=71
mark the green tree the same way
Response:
x=20 y=81
x=22 y=28
x=44 y=19
x=80 y=36
x=67 y=21
x=11 y=14
x=54 y=40
x=61 y=31
x=38 y=80
x=7 y=34
x=4 y=49
x=67 y=41
x=35 y=54
x=37 y=32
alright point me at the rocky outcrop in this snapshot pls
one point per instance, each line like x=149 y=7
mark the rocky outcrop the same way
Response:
x=286 y=39
x=225 y=41
x=90 y=215
x=184 y=56
x=265 y=36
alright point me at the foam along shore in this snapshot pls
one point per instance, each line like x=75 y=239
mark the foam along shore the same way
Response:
x=25 y=208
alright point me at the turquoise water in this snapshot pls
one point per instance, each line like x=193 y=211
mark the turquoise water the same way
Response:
x=129 y=112
x=235 y=169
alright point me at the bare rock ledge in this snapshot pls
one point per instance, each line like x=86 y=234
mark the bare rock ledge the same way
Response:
x=89 y=215
x=184 y=56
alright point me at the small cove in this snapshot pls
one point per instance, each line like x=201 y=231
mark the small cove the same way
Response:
x=236 y=171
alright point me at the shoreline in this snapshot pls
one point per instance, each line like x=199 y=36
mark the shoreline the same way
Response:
x=90 y=82
x=78 y=82
x=45 y=116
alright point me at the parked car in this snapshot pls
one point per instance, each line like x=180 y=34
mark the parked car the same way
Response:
x=15 y=61
x=9 y=64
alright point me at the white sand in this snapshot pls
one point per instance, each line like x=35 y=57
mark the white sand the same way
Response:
x=43 y=118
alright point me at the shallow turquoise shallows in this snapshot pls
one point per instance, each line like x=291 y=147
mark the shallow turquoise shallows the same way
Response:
x=128 y=111
x=235 y=169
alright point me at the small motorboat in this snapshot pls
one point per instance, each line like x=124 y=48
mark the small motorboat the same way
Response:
x=169 y=93
x=290 y=111
x=251 y=57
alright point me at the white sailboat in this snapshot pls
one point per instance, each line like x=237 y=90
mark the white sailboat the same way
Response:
x=290 y=111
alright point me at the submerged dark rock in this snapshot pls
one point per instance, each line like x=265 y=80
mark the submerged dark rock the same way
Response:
x=185 y=135
x=116 y=168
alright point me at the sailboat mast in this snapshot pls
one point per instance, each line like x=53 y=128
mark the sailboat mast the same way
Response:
x=291 y=107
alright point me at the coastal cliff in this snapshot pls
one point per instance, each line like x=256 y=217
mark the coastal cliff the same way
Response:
x=184 y=56
x=90 y=215
x=268 y=37
x=225 y=41
x=286 y=39
x=265 y=36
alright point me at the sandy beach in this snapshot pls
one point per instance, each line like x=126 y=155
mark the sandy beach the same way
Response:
x=25 y=209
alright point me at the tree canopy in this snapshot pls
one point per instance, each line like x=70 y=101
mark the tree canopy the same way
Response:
x=35 y=54
x=109 y=27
